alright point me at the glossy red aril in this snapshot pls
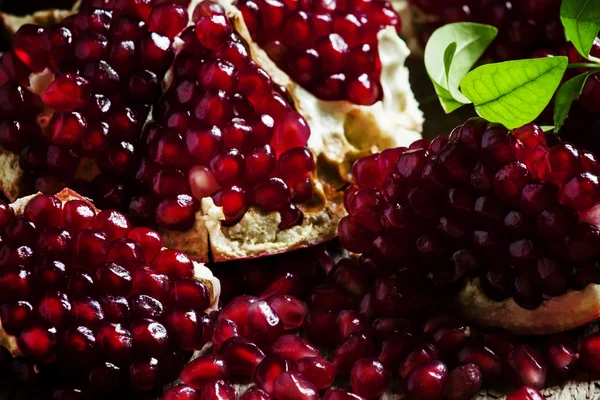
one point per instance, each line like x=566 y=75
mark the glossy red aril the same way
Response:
x=370 y=378
x=224 y=330
x=264 y=325
x=203 y=370
x=218 y=390
x=294 y=348
x=356 y=346
x=561 y=355
x=293 y=386
x=589 y=351
x=242 y=355
x=427 y=381
x=464 y=382
x=338 y=394
x=181 y=393
x=268 y=370
x=525 y=366
x=318 y=371
x=291 y=310
x=484 y=358
x=526 y=393
x=255 y=394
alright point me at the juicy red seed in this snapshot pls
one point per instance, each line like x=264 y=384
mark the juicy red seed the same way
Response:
x=294 y=348
x=427 y=380
x=291 y=310
x=355 y=347
x=44 y=211
x=589 y=348
x=488 y=362
x=338 y=394
x=150 y=241
x=255 y=394
x=181 y=393
x=561 y=355
x=370 y=378
x=524 y=366
x=38 y=342
x=213 y=30
x=243 y=356
x=268 y=370
x=423 y=354
x=67 y=92
x=203 y=370
x=173 y=263
x=464 y=382
x=292 y=385
x=526 y=393
x=218 y=389
x=168 y=19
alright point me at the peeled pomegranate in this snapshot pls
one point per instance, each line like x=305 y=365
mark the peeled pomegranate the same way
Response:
x=498 y=217
x=166 y=111
x=96 y=302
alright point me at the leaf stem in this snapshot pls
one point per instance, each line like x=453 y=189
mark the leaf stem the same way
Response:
x=585 y=65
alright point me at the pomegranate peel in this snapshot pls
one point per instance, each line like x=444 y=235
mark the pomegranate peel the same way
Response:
x=200 y=271
x=556 y=314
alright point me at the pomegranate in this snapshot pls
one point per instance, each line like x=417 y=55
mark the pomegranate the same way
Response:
x=468 y=215
x=229 y=135
x=90 y=312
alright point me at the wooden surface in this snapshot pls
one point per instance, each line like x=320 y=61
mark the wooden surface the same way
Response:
x=584 y=387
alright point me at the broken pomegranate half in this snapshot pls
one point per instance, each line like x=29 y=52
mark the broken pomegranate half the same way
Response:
x=172 y=113
x=498 y=217
x=83 y=290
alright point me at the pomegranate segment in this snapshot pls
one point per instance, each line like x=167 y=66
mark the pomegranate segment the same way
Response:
x=222 y=128
x=329 y=48
x=520 y=233
x=78 y=305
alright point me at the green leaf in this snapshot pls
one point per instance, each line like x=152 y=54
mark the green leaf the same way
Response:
x=514 y=93
x=448 y=57
x=581 y=19
x=447 y=67
x=566 y=95
x=547 y=128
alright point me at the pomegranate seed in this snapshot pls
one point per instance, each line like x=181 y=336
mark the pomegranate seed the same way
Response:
x=423 y=354
x=168 y=19
x=318 y=371
x=427 y=381
x=370 y=378
x=181 y=393
x=588 y=350
x=526 y=393
x=268 y=370
x=464 y=382
x=524 y=366
x=263 y=324
x=560 y=355
x=337 y=394
x=218 y=390
x=291 y=385
x=255 y=394
x=483 y=357
x=242 y=355
x=294 y=348
x=203 y=370
x=290 y=310
x=356 y=346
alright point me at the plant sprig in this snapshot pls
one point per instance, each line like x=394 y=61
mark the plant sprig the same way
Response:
x=512 y=93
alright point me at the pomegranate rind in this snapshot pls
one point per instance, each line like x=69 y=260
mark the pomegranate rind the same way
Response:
x=201 y=272
x=556 y=314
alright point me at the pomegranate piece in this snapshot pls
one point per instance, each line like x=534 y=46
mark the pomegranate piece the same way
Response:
x=464 y=382
x=268 y=370
x=85 y=297
x=560 y=355
x=203 y=370
x=218 y=390
x=526 y=393
x=242 y=355
x=427 y=381
x=524 y=366
x=318 y=371
x=181 y=393
x=291 y=310
x=294 y=348
x=255 y=394
x=370 y=378
x=293 y=386
x=589 y=348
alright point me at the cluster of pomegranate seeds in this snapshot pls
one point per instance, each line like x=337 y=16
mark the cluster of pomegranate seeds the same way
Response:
x=526 y=27
x=83 y=291
x=222 y=128
x=487 y=202
x=329 y=47
x=308 y=320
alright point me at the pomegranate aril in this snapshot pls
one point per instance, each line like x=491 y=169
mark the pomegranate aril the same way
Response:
x=268 y=370
x=292 y=386
x=181 y=393
x=224 y=330
x=356 y=346
x=526 y=393
x=168 y=19
x=524 y=366
x=291 y=310
x=294 y=348
x=255 y=394
x=263 y=325
x=318 y=326
x=203 y=370
x=38 y=342
x=423 y=354
x=464 y=382
x=484 y=358
x=589 y=348
x=427 y=381
x=242 y=355
x=144 y=374
x=218 y=390
x=338 y=394
x=370 y=378
x=395 y=348
x=561 y=355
